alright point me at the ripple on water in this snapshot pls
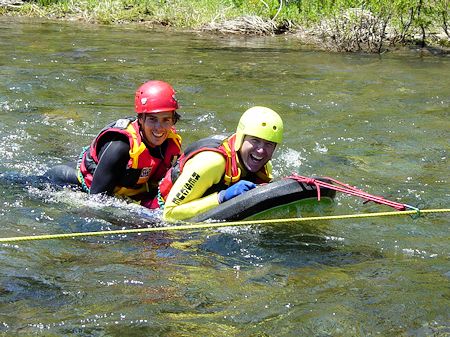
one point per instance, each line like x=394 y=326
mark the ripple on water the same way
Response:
x=377 y=122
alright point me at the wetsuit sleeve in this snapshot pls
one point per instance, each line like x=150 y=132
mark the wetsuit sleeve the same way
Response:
x=199 y=173
x=114 y=157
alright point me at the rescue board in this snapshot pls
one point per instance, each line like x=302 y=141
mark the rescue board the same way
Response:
x=264 y=200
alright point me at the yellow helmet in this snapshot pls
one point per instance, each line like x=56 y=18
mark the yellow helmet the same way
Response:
x=260 y=122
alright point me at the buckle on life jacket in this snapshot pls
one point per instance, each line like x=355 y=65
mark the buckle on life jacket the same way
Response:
x=232 y=179
x=122 y=123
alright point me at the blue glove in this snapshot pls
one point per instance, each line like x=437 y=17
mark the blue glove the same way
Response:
x=235 y=190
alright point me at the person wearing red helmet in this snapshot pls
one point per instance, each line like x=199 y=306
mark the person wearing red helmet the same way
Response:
x=130 y=156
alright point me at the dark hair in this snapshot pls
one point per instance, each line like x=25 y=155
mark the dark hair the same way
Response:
x=176 y=117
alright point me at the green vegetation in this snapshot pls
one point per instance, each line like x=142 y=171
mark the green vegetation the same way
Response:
x=348 y=25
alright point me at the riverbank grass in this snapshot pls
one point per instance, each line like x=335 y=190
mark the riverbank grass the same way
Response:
x=340 y=25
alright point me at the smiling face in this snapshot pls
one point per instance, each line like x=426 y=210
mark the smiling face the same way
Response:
x=155 y=127
x=256 y=152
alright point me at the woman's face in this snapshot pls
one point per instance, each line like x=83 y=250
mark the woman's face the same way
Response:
x=256 y=152
x=155 y=127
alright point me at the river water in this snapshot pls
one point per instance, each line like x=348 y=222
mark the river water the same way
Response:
x=377 y=122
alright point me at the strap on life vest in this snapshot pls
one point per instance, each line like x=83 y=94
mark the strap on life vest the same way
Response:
x=232 y=170
x=138 y=145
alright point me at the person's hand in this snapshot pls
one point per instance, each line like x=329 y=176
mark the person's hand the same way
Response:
x=235 y=190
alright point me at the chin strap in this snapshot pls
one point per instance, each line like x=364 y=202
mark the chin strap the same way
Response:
x=336 y=185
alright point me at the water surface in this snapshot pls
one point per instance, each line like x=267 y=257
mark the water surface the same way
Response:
x=378 y=122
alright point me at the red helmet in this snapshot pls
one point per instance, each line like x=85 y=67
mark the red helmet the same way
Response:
x=154 y=97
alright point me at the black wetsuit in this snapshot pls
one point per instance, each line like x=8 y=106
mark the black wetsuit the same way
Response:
x=113 y=159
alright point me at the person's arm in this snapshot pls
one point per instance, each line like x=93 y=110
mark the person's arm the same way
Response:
x=114 y=157
x=199 y=173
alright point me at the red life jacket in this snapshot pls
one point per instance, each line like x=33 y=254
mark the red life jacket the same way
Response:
x=232 y=171
x=142 y=165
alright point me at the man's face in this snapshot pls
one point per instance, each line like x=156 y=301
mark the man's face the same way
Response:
x=155 y=127
x=256 y=152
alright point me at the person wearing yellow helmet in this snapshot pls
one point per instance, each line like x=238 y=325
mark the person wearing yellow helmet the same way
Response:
x=212 y=171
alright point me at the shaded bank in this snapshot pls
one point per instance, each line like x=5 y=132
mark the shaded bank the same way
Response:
x=342 y=25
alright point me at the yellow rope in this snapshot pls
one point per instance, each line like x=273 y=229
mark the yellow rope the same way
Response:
x=218 y=224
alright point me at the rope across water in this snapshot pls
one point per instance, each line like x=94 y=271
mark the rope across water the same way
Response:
x=218 y=224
